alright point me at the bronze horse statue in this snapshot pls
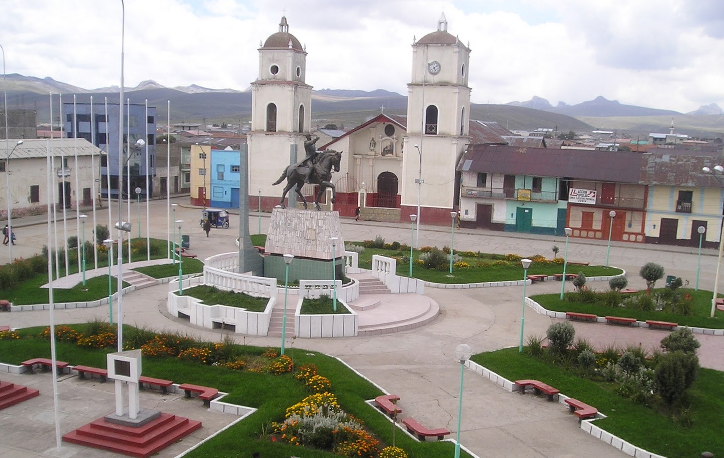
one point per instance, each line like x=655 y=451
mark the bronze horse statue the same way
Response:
x=320 y=172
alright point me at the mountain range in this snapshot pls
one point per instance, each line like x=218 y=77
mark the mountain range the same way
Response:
x=348 y=108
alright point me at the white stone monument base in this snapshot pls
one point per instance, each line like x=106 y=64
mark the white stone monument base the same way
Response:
x=142 y=417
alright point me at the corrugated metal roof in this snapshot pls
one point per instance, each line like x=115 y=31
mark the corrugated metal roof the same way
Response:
x=33 y=148
x=488 y=132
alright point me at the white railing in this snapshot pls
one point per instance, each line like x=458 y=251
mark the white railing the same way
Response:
x=351 y=262
x=223 y=261
x=312 y=289
x=325 y=325
x=385 y=269
x=249 y=284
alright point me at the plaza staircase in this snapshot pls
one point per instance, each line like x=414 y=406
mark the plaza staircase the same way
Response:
x=11 y=394
x=138 y=279
x=277 y=318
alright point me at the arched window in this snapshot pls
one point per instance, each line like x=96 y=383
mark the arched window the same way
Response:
x=462 y=122
x=387 y=190
x=431 y=120
x=301 y=118
x=271 y=118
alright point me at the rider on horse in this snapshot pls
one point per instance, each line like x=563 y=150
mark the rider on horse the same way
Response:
x=311 y=150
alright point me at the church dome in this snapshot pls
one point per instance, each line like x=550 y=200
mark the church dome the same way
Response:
x=283 y=39
x=439 y=37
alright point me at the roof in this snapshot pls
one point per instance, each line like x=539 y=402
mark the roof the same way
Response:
x=530 y=142
x=440 y=36
x=35 y=148
x=488 y=132
x=379 y=118
x=334 y=133
x=283 y=39
x=679 y=169
x=611 y=166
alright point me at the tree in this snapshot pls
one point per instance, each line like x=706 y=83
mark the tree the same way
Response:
x=680 y=340
x=651 y=272
x=618 y=283
x=674 y=374
x=560 y=335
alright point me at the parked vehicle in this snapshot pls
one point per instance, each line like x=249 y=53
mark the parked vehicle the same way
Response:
x=217 y=218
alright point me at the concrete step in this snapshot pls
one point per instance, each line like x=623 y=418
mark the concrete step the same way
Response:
x=365 y=303
x=420 y=315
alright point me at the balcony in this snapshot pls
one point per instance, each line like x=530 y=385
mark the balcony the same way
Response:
x=683 y=206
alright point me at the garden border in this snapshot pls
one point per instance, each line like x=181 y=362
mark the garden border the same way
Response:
x=494 y=284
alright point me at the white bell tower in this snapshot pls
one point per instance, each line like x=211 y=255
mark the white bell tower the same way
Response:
x=281 y=111
x=438 y=110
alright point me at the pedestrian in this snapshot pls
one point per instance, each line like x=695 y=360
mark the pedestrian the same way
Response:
x=356 y=214
x=207 y=226
x=6 y=234
x=12 y=237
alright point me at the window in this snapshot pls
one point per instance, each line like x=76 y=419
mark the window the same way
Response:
x=202 y=172
x=301 y=118
x=202 y=155
x=274 y=69
x=2 y=165
x=104 y=161
x=235 y=168
x=220 y=171
x=101 y=139
x=462 y=122
x=34 y=193
x=482 y=180
x=299 y=71
x=431 y=120
x=683 y=204
x=271 y=118
x=151 y=140
x=150 y=119
x=389 y=130
x=537 y=184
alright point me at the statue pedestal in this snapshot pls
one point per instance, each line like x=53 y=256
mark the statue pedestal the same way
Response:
x=307 y=235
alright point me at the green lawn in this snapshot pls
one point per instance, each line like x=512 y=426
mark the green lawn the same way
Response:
x=700 y=317
x=634 y=423
x=270 y=394
x=211 y=296
x=32 y=292
x=189 y=266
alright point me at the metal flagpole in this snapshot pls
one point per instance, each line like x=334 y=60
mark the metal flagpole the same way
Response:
x=168 y=177
x=93 y=185
x=63 y=195
x=108 y=167
x=77 y=189
x=148 y=216
x=128 y=171
x=55 y=199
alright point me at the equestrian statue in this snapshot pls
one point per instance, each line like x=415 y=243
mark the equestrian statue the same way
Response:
x=316 y=168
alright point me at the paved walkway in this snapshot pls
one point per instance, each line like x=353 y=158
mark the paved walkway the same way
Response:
x=419 y=364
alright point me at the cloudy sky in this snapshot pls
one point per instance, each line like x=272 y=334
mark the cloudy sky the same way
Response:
x=659 y=53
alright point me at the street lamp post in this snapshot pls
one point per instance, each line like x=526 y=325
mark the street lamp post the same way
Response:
x=462 y=354
x=419 y=182
x=259 y=211
x=109 y=244
x=719 y=169
x=568 y=232
x=138 y=208
x=287 y=261
x=7 y=188
x=82 y=221
x=180 y=261
x=452 y=239
x=334 y=273
x=526 y=264
x=612 y=215
x=700 y=230
x=413 y=218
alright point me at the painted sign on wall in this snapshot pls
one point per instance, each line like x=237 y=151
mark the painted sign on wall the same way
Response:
x=582 y=196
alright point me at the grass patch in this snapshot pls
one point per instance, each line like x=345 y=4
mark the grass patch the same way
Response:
x=270 y=394
x=189 y=266
x=211 y=295
x=700 y=317
x=31 y=291
x=632 y=422
x=322 y=306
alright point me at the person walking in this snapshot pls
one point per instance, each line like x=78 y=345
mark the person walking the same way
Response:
x=207 y=227
x=6 y=235
x=356 y=214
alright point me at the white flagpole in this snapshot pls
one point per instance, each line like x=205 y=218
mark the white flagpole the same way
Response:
x=168 y=178
x=93 y=184
x=128 y=172
x=55 y=198
x=108 y=167
x=49 y=182
x=77 y=189
x=120 y=187
x=148 y=237
x=63 y=195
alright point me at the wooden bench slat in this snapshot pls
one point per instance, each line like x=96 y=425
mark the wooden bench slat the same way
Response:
x=620 y=320
x=581 y=409
x=161 y=383
x=82 y=370
x=206 y=393
x=538 y=387
x=581 y=316
x=387 y=403
x=661 y=324
x=415 y=427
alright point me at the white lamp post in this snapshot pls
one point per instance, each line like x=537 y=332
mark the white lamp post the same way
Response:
x=568 y=232
x=259 y=211
x=413 y=218
x=526 y=264
x=180 y=261
x=334 y=273
x=452 y=239
x=82 y=221
x=462 y=354
x=138 y=208
x=109 y=244
x=719 y=169
x=700 y=230
x=287 y=261
x=612 y=215
x=419 y=182
x=7 y=188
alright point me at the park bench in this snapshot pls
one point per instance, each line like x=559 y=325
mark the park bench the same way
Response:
x=572 y=263
x=661 y=324
x=538 y=388
x=629 y=291
x=581 y=409
x=162 y=384
x=184 y=254
x=388 y=404
x=581 y=316
x=4 y=328
x=620 y=320
x=45 y=363
x=82 y=370
x=4 y=305
x=720 y=303
x=416 y=428
x=535 y=278
x=206 y=394
x=559 y=277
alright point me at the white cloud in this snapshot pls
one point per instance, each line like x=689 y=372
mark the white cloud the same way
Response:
x=659 y=53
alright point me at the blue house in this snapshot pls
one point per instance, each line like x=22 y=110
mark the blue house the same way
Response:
x=224 y=172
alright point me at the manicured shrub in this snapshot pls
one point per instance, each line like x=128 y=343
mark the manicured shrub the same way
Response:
x=680 y=340
x=102 y=233
x=651 y=272
x=629 y=363
x=435 y=259
x=674 y=375
x=676 y=283
x=579 y=281
x=586 y=360
x=560 y=335
x=618 y=283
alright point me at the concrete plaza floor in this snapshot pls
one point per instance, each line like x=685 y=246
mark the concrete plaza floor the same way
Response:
x=418 y=364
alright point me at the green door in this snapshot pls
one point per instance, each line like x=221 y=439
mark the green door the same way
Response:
x=523 y=219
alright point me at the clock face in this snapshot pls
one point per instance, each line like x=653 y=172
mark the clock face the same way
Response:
x=433 y=67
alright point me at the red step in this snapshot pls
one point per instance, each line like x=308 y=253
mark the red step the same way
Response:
x=11 y=394
x=142 y=442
